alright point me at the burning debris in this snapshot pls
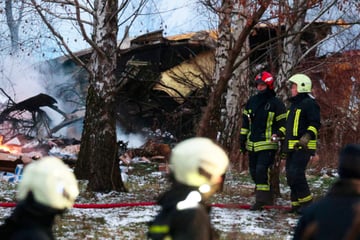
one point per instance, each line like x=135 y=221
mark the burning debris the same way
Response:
x=27 y=134
x=11 y=156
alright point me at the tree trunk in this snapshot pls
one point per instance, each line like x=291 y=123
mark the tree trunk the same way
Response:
x=221 y=56
x=236 y=95
x=289 y=57
x=210 y=123
x=291 y=49
x=97 y=159
x=13 y=24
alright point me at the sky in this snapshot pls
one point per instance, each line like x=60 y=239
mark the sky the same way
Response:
x=174 y=17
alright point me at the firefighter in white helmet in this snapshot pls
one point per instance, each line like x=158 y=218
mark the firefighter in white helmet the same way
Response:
x=47 y=189
x=302 y=128
x=197 y=168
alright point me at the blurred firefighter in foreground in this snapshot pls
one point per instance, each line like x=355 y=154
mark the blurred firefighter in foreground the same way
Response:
x=47 y=189
x=263 y=120
x=302 y=127
x=197 y=168
x=337 y=215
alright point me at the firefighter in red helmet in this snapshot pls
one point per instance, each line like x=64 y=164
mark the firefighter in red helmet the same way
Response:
x=263 y=119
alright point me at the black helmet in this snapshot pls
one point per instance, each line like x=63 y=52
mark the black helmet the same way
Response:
x=349 y=161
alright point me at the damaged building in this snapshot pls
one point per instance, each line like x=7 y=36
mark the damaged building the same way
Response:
x=163 y=82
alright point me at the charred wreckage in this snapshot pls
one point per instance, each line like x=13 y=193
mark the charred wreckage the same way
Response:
x=163 y=83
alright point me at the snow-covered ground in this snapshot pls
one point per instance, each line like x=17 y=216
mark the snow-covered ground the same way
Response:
x=145 y=185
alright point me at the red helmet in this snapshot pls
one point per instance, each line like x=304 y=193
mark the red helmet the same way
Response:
x=265 y=78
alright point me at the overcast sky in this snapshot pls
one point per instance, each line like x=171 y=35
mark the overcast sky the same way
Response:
x=174 y=17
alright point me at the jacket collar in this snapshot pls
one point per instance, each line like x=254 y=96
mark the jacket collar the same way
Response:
x=299 y=97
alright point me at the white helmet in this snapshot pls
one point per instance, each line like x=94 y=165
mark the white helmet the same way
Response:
x=198 y=161
x=303 y=83
x=51 y=182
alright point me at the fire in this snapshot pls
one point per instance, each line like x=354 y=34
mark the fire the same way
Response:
x=8 y=148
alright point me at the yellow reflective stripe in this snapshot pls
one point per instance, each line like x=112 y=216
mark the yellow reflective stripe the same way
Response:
x=296 y=122
x=313 y=129
x=262 y=148
x=245 y=112
x=244 y=131
x=265 y=187
x=281 y=116
x=269 y=121
x=262 y=145
x=292 y=143
x=305 y=199
x=262 y=187
x=159 y=229
x=283 y=130
x=287 y=113
x=295 y=204
x=311 y=145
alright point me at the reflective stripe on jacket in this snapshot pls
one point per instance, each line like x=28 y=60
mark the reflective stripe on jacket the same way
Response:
x=263 y=116
x=303 y=117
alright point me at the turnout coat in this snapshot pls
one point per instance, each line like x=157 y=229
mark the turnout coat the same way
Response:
x=336 y=216
x=190 y=221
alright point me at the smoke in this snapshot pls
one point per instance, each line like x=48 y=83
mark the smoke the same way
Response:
x=19 y=79
x=134 y=140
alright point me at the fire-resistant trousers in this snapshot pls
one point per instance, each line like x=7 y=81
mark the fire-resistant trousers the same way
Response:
x=259 y=166
x=296 y=163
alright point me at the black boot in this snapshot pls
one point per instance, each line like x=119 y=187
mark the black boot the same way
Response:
x=263 y=198
x=257 y=206
x=294 y=209
x=303 y=206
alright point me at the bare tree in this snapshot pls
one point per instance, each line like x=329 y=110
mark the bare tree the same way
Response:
x=22 y=32
x=231 y=81
x=13 y=23
x=97 y=160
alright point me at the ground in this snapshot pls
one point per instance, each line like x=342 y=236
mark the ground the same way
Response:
x=145 y=183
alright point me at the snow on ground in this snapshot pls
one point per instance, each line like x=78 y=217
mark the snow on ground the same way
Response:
x=131 y=222
x=225 y=220
x=125 y=219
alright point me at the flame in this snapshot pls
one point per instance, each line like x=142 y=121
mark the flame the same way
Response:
x=10 y=149
x=7 y=148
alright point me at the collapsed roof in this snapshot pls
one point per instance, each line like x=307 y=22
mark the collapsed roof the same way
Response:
x=160 y=77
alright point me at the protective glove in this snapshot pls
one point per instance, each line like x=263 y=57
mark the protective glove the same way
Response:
x=304 y=140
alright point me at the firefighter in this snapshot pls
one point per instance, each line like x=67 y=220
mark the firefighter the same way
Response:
x=197 y=167
x=337 y=215
x=47 y=189
x=263 y=120
x=302 y=127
